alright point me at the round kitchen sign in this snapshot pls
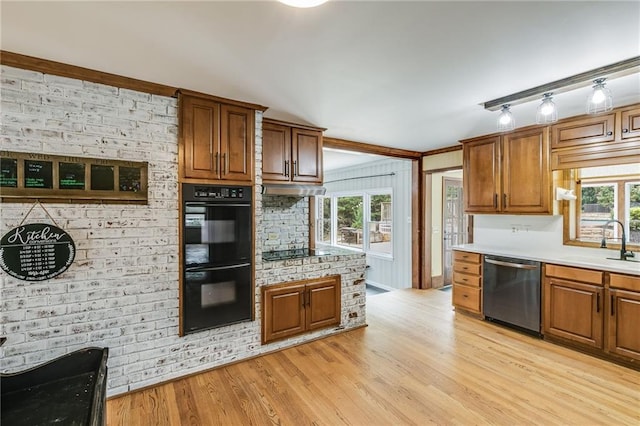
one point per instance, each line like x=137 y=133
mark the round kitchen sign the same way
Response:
x=36 y=252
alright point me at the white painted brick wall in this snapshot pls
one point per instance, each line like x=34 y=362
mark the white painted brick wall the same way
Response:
x=122 y=289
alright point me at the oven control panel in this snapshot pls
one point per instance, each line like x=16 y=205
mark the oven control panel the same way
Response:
x=195 y=192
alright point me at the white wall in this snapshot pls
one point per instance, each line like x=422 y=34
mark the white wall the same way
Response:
x=383 y=272
x=517 y=231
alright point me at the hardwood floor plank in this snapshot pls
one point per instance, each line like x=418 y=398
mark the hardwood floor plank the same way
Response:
x=417 y=363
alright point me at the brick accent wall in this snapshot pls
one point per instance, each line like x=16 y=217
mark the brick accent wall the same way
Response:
x=285 y=222
x=122 y=289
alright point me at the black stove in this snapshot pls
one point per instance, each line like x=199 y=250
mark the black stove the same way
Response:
x=286 y=254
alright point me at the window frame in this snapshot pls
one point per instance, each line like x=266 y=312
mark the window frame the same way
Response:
x=366 y=218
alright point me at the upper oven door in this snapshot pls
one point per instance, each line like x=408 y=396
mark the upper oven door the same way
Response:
x=216 y=233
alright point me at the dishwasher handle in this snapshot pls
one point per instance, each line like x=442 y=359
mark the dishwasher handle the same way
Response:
x=510 y=264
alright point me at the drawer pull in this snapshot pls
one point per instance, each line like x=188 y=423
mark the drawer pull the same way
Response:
x=625 y=130
x=597 y=302
x=609 y=133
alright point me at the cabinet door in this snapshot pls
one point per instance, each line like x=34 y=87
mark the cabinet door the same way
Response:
x=573 y=311
x=623 y=319
x=583 y=131
x=323 y=303
x=525 y=172
x=481 y=175
x=276 y=152
x=236 y=143
x=283 y=312
x=200 y=137
x=307 y=155
x=630 y=123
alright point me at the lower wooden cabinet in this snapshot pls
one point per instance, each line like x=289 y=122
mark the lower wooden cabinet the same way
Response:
x=467 y=281
x=293 y=308
x=574 y=311
x=623 y=316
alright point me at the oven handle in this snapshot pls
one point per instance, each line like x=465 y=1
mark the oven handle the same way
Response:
x=510 y=264
x=217 y=268
x=191 y=203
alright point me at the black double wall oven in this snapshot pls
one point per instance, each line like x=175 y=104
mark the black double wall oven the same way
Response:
x=217 y=256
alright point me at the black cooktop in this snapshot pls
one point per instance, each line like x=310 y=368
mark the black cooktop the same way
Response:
x=286 y=254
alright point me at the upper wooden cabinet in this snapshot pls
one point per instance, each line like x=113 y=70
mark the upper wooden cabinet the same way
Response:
x=589 y=141
x=217 y=140
x=291 y=153
x=508 y=173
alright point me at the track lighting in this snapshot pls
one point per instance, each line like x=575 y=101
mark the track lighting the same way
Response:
x=547 y=111
x=505 y=119
x=599 y=100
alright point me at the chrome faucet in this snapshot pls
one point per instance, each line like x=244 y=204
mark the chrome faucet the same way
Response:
x=624 y=254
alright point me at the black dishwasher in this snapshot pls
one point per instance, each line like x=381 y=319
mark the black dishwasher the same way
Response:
x=511 y=292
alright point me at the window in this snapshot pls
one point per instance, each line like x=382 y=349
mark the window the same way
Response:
x=604 y=194
x=357 y=220
x=349 y=221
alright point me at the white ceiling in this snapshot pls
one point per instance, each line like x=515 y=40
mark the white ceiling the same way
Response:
x=399 y=74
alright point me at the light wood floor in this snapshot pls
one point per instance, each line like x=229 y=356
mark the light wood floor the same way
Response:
x=417 y=363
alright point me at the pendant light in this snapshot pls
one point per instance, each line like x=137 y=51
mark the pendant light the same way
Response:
x=303 y=3
x=599 y=100
x=505 y=119
x=547 y=111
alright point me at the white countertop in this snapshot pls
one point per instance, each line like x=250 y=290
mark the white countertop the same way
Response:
x=593 y=258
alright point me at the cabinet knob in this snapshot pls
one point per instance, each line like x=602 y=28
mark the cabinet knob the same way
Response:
x=625 y=130
x=609 y=133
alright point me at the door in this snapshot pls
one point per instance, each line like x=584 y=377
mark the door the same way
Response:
x=307 y=155
x=276 y=152
x=453 y=224
x=236 y=143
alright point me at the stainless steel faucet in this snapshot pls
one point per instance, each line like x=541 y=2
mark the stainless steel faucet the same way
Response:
x=624 y=254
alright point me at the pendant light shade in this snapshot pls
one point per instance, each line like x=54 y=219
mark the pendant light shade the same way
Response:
x=547 y=110
x=505 y=119
x=599 y=100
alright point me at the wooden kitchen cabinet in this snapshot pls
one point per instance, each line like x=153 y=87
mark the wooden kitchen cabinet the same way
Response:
x=590 y=141
x=467 y=281
x=623 y=316
x=508 y=173
x=291 y=153
x=293 y=308
x=574 y=305
x=217 y=140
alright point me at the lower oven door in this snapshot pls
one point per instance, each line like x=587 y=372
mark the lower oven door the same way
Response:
x=216 y=296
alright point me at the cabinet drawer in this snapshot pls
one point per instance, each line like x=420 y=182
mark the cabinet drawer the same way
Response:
x=625 y=282
x=465 y=256
x=466 y=279
x=575 y=274
x=466 y=297
x=467 y=268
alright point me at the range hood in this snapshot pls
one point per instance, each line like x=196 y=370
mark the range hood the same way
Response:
x=293 y=190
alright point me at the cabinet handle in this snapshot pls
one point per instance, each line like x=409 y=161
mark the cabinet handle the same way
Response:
x=504 y=200
x=612 y=301
x=286 y=167
x=295 y=168
x=304 y=298
x=625 y=130
x=224 y=164
x=609 y=133
x=597 y=302
x=495 y=201
x=216 y=164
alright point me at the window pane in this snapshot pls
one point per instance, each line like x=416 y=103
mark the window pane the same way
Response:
x=380 y=224
x=349 y=221
x=633 y=212
x=324 y=220
x=598 y=207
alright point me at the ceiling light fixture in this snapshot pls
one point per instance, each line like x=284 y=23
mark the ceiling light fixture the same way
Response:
x=505 y=119
x=547 y=111
x=303 y=3
x=599 y=100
